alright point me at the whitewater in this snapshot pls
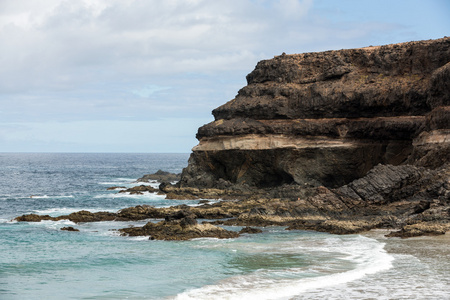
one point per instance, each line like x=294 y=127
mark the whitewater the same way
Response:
x=39 y=261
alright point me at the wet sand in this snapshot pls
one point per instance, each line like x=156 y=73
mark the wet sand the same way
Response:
x=420 y=270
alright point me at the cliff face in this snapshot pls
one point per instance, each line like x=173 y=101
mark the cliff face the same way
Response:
x=326 y=119
x=339 y=141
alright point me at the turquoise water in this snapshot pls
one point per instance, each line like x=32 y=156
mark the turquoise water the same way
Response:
x=39 y=261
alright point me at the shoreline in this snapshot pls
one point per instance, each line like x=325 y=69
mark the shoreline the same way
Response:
x=420 y=270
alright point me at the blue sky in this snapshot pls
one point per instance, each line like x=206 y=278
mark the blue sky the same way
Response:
x=143 y=75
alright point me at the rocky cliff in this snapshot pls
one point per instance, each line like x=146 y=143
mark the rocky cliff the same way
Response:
x=339 y=141
x=327 y=118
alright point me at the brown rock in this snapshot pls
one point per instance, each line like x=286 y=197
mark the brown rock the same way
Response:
x=327 y=118
x=139 y=190
x=250 y=230
x=115 y=188
x=420 y=229
x=69 y=228
x=33 y=218
x=179 y=230
x=160 y=176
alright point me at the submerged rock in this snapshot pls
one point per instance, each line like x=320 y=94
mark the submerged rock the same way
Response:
x=69 y=228
x=113 y=188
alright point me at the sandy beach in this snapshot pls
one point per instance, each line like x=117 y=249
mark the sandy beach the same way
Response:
x=420 y=270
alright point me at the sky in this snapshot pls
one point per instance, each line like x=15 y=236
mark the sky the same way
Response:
x=144 y=75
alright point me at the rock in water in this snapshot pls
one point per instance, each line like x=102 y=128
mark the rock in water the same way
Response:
x=139 y=190
x=69 y=228
x=160 y=176
x=184 y=229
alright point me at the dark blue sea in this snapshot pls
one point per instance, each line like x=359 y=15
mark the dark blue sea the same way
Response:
x=39 y=261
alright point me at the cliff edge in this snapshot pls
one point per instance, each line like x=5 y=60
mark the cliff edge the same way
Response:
x=327 y=118
x=338 y=141
x=351 y=130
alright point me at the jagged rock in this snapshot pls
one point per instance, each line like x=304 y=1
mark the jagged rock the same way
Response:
x=140 y=212
x=181 y=214
x=33 y=218
x=327 y=118
x=160 y=176
x=191 y=193
x=184 y=229
x=139 y=190
x=115 y=188
x=86 y=216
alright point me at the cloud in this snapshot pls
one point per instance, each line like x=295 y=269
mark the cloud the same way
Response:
x=145 y=60
x=69 y=43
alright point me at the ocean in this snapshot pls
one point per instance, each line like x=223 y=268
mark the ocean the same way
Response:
x=39 y=261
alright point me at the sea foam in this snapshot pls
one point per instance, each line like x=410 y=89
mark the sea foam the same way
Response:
x=359 y=255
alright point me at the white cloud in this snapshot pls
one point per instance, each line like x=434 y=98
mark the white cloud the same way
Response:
x=106 y=60
x=66 y=41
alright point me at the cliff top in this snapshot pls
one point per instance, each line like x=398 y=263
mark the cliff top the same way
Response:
x=391 y=80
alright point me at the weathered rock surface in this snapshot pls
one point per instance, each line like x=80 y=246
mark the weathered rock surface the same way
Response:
x=369 y=128
x=413 y=199
x=161 y=176
x=139 y=190
x=338 y=141
x=184 y=229
x=127 y=214
x=113 y=188
x=326 y=119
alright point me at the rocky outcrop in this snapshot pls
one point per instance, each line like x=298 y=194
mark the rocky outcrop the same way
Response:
x=338 y=141
x=354 y=139
x=415 y=200
x=127 y=214
x=174 y=230
x=139 y=190
x=326 y=119
x=161 y=176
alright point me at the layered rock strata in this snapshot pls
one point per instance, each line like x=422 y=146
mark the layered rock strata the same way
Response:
x=338 y=141
x=325 y=119
x=352 y=139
